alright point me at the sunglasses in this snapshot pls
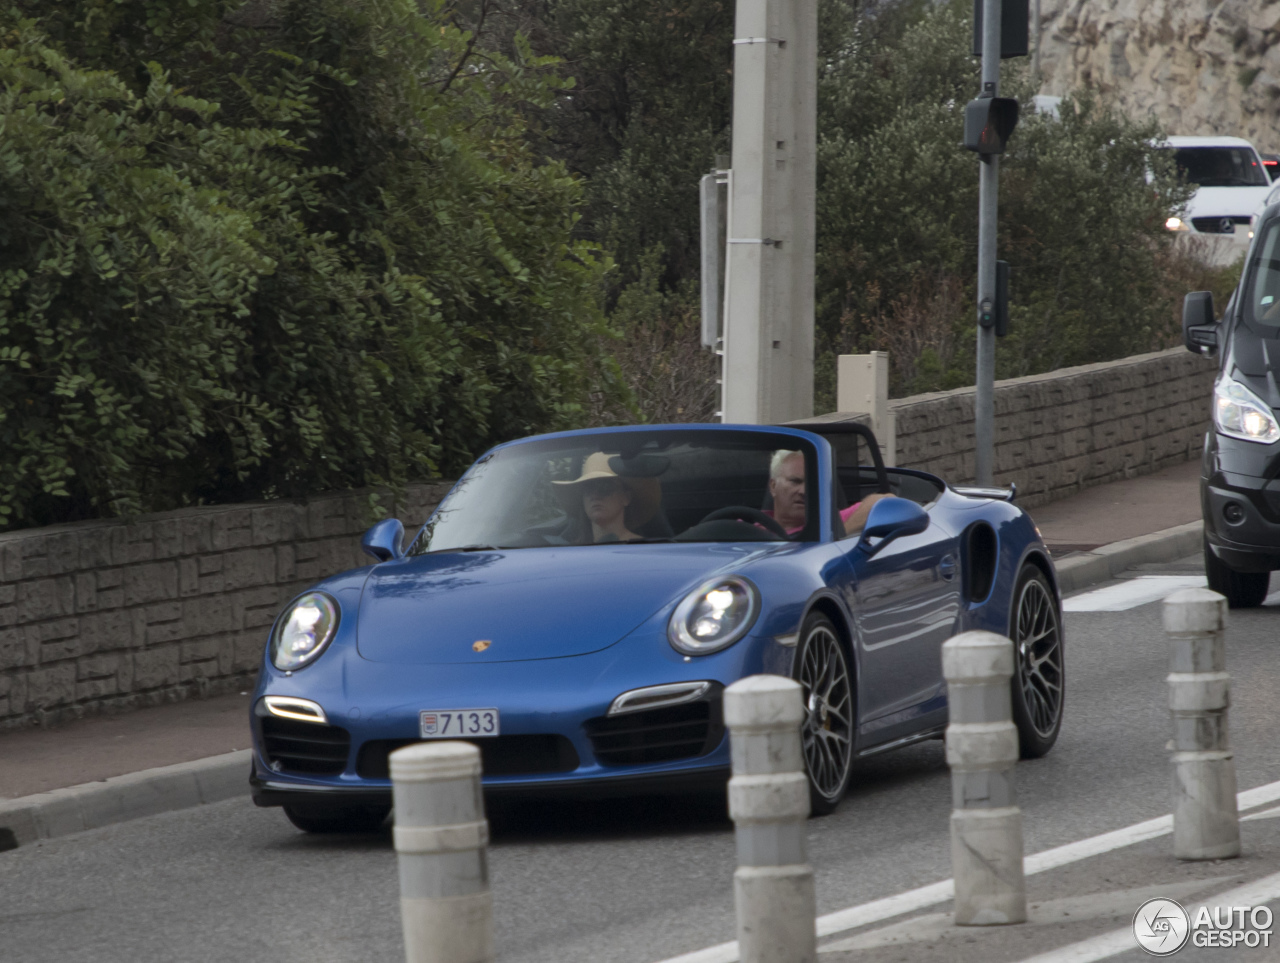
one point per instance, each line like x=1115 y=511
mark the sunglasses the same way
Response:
x=601 y=487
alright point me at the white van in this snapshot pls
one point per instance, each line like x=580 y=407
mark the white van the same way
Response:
x=1232 y=185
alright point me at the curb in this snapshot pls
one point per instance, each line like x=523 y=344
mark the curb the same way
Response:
x=1109 y=561
x=92 y=805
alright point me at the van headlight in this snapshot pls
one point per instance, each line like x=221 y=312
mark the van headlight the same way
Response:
x=1239 y=413
x=302 y=631
x=714 y=615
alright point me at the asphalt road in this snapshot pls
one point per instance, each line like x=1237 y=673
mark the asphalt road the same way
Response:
x=634 y=881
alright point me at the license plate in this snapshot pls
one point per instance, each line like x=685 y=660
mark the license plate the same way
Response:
x=458 y=723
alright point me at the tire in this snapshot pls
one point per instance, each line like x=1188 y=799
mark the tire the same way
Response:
x=827 y=733
x=1035 y=626
x=338 y=819
x=1243 y=590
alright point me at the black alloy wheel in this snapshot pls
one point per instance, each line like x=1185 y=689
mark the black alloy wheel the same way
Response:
x=1243 y=590
x=822 y=669
x=1038 y=679
x=338 y=819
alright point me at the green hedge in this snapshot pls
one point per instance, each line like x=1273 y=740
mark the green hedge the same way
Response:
x=255 y=250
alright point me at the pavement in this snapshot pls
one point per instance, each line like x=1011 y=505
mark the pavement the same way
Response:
x=106 y=769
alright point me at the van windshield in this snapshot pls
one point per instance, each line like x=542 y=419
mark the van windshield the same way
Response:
x=1220 y=166
x=1262 y=284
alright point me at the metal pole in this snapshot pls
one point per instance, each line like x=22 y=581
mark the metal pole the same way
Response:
x=769 y=803
x=709 y=195
x=440 y=837
x=988 y=187
x=982 y=751
x=1205 y=822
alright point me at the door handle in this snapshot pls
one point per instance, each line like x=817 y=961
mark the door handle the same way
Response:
x=947 y=567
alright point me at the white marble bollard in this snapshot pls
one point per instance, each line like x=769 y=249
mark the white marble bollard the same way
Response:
x=769 y=804
x=1205 y=822
x=982 y=750
x=441 y=840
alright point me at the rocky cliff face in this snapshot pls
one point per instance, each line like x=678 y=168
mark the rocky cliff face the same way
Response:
x=1199 y=66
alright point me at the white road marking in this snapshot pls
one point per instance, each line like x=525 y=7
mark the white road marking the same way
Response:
x=915 y=899
x=1107 y=945
x=1131 y=593
x=1265 y=814
x=1117 y=904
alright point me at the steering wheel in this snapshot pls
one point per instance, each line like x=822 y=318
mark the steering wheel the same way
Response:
x=752 y=516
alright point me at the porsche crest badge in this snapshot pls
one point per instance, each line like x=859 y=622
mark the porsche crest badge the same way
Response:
x=479 y=645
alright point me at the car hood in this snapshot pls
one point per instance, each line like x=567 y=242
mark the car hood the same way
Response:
x=1226 y=201
x=536 y=603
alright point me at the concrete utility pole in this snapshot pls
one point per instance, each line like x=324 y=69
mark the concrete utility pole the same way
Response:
x=768 y=327
x=988 y=186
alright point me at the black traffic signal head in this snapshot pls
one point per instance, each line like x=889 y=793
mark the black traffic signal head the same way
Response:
x=988 y=123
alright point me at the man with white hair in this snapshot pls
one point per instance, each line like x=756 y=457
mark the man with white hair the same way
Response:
x=786 y=485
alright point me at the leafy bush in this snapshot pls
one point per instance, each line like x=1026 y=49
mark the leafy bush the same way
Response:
x=265 y=249
x=1082 y=208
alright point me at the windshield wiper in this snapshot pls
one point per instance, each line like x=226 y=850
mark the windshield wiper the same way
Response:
x=467 y=548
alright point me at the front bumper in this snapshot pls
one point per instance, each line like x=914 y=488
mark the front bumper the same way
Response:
x=268 y=793
x=556 y=706
x=1241 y=510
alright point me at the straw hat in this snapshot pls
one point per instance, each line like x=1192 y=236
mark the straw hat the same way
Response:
x=646 y=493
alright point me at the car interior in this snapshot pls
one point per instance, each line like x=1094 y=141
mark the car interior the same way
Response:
x=709 y=491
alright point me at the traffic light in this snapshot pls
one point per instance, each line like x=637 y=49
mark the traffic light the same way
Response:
x=988 y=122
x=1014 y=16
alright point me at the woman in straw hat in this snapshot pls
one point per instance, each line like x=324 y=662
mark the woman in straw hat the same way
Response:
x=614 y=505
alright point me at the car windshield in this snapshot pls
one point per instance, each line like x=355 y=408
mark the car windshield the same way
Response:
x=630 y=487
x=1262 y=284
x=1220 y=166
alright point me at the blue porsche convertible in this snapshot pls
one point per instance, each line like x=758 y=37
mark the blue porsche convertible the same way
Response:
x=579 y=601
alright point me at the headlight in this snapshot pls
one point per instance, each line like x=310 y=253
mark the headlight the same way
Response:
x=303 y=631
x=1176 y=224
x=714 y=615
x=1239 y=413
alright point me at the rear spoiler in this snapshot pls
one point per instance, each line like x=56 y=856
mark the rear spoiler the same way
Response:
x=999 y=494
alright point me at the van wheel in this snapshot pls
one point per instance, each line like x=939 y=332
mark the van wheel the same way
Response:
x=1243 y=590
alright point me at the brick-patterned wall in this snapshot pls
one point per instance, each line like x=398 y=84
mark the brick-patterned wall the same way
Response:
x=114 y=614
x=1059 y=432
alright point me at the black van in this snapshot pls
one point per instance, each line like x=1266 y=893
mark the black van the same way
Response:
x=1240 y=473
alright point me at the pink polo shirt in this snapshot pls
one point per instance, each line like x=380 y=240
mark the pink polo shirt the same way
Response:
x=845 y=513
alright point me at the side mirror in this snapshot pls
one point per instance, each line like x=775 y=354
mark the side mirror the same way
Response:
x=1199 y=326
x=892 y=518
x=383 y=540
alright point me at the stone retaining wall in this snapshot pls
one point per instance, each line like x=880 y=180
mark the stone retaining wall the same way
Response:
x=100 y=616
x=1066 y=430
